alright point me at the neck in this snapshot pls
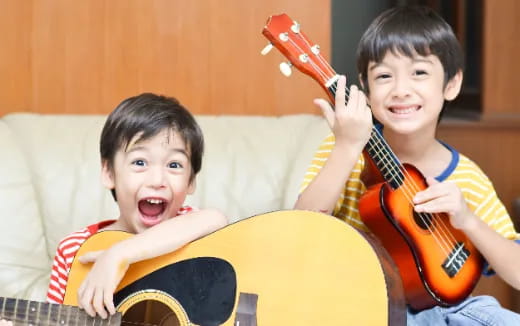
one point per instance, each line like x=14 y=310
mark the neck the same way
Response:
x=411 y=148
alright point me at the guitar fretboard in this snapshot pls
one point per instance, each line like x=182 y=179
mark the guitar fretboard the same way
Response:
x=380 y=152
x=26 y=312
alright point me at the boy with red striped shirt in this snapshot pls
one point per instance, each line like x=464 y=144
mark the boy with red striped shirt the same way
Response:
x=151 y=150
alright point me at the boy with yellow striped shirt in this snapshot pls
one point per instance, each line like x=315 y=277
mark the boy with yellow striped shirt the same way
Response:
x=409 y=63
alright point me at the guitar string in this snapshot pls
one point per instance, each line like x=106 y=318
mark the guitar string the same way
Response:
x=95 y=321
x=79 y=318
x=440 y=242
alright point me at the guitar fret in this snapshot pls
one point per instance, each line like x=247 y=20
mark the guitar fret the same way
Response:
x=54 y=314
x=15 y=308
x=3 y=307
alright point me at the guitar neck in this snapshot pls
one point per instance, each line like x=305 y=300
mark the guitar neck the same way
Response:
x=26 y=312
x=377 y=148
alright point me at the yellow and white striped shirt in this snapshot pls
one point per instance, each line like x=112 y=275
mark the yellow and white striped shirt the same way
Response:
x=476 y=188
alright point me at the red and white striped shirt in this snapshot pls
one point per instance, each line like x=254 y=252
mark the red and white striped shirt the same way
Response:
x=67 y=249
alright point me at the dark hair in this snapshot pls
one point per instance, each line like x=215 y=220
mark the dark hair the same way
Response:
x=148 y=114
x=408 y=30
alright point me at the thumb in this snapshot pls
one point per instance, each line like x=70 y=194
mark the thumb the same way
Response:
x=327 y=110
x=90 y=257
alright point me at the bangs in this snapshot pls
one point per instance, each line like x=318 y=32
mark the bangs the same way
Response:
x=410 y=31
x=406 y=45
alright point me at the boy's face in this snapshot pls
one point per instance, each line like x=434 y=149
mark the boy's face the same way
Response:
x=407 y=94
x=151 y=178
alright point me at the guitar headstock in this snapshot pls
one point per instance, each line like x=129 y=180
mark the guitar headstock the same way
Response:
x=285 y=34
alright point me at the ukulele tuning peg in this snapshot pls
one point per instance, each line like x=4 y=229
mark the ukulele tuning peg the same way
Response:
x=285 y=68
x=267 y=48
x=295 y=27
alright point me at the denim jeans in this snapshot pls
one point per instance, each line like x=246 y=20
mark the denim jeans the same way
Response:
x=479 y=310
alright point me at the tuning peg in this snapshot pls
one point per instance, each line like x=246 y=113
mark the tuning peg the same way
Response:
x=285 y=68
x=267 y=48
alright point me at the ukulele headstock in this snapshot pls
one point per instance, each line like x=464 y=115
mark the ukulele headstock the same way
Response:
x=285 y=34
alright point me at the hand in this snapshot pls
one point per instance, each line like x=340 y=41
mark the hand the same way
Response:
x=444 y=197
x=4 y=322
x=97 y=290
x=351 y=123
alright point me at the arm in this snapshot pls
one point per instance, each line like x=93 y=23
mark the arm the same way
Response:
x=351 y=125
x=502 y=254
x=96 y=292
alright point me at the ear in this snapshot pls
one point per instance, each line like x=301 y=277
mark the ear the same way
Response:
x=107 y=175
x=192 y=186
x=453 y=86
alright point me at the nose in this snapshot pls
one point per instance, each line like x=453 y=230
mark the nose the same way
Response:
x=156 y=178
x=401 y=87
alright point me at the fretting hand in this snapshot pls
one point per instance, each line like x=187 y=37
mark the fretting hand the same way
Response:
x=351 y=123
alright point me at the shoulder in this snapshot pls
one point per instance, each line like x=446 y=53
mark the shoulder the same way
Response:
x=186 y=209
x=71 y=243
x=468 y=170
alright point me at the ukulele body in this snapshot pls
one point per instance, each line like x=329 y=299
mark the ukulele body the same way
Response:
x=426 y=248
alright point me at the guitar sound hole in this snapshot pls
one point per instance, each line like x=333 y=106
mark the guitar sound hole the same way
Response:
x=423 y=220
x=150 y=312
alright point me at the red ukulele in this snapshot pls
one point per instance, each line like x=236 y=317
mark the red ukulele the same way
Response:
x=437 y=263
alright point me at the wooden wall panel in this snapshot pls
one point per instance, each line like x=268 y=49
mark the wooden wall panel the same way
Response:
x=64 y=56
x=501 y=69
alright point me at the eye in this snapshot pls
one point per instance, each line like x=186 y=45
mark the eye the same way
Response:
x=420 y=72
x=139 y=163
x=383 y=76
x=175 y=165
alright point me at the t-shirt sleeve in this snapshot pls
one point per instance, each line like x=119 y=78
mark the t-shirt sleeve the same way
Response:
x=58 y=279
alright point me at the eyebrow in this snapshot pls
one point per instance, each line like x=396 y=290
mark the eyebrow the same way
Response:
x=414 y=60
x=175 y=150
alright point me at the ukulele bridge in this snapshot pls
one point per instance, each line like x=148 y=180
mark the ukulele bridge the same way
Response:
x=456 y=259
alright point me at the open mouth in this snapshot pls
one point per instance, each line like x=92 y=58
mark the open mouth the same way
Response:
x=151 y=210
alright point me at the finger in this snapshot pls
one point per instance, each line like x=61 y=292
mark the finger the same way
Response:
x=326 y=109
x=85 y=301
x=439 y=205
x=97 y=303
x=340 y=92
x=108 y=299
x=89 y=257
x=433 y=192
x=353 y=102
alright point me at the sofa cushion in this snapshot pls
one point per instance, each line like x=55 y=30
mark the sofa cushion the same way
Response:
x=24 y=261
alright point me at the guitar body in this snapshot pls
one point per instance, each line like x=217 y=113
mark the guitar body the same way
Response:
x=280 y=268
x=413 y=242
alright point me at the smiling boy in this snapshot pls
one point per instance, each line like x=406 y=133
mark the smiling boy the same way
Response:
x=410 y=63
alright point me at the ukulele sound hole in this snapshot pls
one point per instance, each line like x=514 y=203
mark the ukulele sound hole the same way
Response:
x=151 y=312
x=423 y=220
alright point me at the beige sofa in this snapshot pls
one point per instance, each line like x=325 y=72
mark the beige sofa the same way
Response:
x=49 y=180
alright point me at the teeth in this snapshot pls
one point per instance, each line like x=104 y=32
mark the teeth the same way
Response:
x=404 y=111
x=154 y=201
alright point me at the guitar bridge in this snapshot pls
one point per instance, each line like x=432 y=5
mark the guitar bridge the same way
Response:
x=456 y=259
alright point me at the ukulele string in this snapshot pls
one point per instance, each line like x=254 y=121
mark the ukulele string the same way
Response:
x=410 y=189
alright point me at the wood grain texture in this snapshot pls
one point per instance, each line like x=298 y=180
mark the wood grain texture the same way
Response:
x=501 y=71
x=85 y=57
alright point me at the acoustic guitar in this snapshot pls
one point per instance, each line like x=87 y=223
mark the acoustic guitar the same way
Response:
x=437 y=263
x=280 y=268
